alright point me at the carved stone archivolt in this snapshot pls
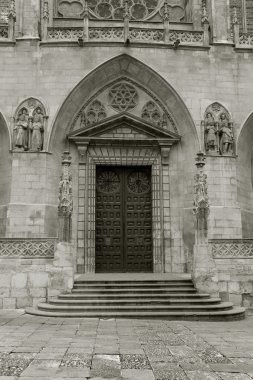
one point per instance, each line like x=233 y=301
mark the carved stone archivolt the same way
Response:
x=218 y=131
x=115 y=9
x=123 y=96
x=29 y=126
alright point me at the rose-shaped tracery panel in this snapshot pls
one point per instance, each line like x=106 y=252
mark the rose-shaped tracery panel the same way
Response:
x=114 y=9
x=108 y=182
x=138 y=182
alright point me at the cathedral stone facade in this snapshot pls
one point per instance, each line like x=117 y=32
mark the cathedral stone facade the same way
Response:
x=126 y=133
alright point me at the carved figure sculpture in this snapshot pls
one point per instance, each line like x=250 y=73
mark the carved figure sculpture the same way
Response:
x=30 y=122
x=65 y=199
x=211 y=142
x=218 y=131
x=226 y=135
x=21 y=130
x=37 y=129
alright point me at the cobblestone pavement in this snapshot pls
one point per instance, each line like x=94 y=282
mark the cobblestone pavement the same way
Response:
x=57 y=348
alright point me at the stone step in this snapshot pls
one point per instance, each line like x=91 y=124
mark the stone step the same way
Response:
x=165 y=296
x=134 y=290
x=128 y=285
x=133 y=301
x=237 y=313
x=133 y=308
x=135 y=282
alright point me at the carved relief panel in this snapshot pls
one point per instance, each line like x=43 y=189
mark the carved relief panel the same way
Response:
x=123 y=96
x=218 y=131
x=29 y=126
x=114 y=9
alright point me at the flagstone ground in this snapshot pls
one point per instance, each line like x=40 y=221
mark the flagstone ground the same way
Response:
x=57 y=348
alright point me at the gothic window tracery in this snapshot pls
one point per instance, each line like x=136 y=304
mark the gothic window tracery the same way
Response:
x=151 y=113
x=114 y=9
x=93 y=114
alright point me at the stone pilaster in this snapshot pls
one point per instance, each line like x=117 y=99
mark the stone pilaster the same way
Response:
x=220 y=21
x=28 y=17
x=204 y=271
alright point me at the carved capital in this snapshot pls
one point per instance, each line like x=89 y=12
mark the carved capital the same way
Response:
x=82 y=150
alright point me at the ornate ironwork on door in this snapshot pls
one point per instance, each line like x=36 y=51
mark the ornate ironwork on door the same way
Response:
x=123 y=219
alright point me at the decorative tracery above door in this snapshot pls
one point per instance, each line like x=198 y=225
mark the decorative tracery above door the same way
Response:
x=123 y=95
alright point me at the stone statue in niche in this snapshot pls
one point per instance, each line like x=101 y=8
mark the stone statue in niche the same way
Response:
x=21 y=130
x=29 y=125
x=37 y=130
x=226 y=135
x=211 y=136
x=218 y=131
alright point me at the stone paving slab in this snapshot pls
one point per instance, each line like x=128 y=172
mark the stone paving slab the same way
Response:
x=95 y=349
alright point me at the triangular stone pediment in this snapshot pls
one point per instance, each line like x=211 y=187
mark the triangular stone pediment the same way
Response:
x=123 y=127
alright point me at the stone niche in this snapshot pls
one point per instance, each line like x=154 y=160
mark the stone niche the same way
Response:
x=219 y=136
x=29 y=126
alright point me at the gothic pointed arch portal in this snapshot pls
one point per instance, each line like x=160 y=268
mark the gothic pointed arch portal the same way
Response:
x=124 y=115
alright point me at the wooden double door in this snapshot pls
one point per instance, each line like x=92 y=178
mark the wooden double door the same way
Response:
x=123 y=219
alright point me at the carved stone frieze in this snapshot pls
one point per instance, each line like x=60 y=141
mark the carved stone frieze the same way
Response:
x=29 y=126
x=232 y=248
x=190 y=37
x=146 y=35
x=71 y=34
x=3 y=31
x=218 y=131
x=106 y=33
x=123 y=95
x=27 y=248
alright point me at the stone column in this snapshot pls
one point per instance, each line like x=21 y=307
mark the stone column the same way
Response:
x=204 y=272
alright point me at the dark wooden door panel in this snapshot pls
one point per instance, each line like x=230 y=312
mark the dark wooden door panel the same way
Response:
x=123 y=219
